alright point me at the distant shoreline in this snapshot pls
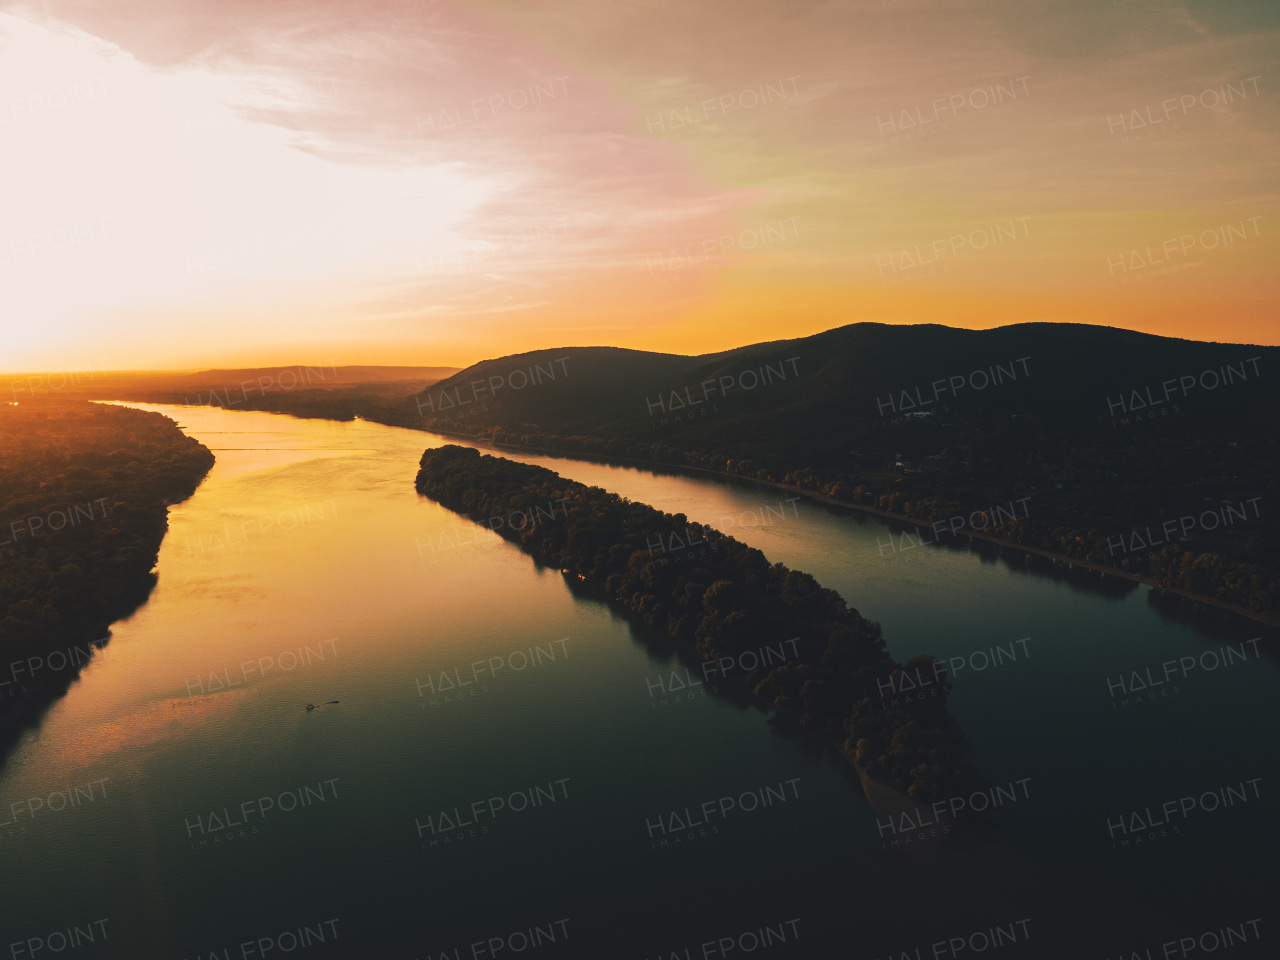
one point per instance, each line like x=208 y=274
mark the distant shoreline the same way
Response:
x=678 y=468
x=616 y=460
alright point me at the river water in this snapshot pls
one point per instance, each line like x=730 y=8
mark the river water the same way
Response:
x=509 y=765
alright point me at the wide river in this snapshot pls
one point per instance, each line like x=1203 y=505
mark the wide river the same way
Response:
x=511 y=769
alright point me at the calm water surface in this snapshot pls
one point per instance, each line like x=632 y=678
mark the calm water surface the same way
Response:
x=214 y=815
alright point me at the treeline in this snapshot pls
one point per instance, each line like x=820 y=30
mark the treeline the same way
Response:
x=83 y=494
x=1087 y=493
x=1086 y=498
x=1087 y=430
x=1106 y=431
x=722 y=598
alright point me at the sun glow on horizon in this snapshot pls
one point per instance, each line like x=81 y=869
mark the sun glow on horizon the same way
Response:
x=473 y=180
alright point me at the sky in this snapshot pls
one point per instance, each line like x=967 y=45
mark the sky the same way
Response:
x=203 y=183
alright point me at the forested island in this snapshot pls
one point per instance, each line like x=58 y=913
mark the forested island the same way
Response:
x=83 y=495
x=721 y=598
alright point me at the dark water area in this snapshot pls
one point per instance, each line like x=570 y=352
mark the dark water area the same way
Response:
x=509 y=762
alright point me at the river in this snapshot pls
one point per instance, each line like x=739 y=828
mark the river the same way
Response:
x=508 y=765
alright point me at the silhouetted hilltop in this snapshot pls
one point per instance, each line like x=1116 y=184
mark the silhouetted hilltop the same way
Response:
x=1119 y=447
x=824 y=386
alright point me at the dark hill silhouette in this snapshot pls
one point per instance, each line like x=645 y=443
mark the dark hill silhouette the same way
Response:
x=1103 y=431
x=837 y=374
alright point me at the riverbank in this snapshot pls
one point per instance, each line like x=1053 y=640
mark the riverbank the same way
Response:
x=1059 y=558
x=88 y=488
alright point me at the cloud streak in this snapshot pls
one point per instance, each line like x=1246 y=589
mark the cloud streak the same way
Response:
x=441 y=177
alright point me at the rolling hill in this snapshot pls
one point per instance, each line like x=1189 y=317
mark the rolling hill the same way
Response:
x=1099 y=432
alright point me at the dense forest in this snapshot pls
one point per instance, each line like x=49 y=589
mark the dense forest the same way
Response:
x=721 y=599
x=1106 y=433
x=83 y=495
x=1195 y=519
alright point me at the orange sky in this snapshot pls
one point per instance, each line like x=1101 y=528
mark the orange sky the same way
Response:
x=241 y=183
